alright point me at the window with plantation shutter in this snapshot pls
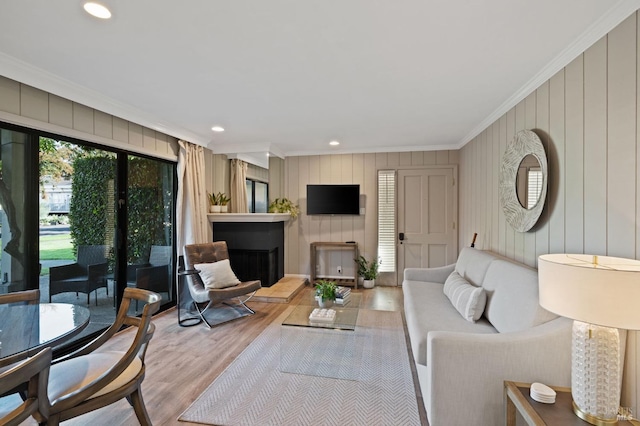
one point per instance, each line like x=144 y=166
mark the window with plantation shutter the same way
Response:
x=534 y=181
x=387 y=220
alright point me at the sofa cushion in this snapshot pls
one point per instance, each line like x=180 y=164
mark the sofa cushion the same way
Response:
x=472 y=264
x=468 y=299
x=512 y=297
x=428 y=309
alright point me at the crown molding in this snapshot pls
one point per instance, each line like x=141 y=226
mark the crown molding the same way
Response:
x=24 y=73
x=595 y=32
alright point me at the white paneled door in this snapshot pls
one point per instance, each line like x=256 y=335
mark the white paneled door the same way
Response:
x=427 y=215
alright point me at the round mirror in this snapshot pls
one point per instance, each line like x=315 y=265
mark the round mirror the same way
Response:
x=523 y=180
x=529 y=182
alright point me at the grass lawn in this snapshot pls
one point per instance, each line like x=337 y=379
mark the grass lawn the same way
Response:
x=54 y=247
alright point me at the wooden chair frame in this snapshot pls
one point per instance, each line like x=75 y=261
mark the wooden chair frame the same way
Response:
x=81 y=401
x=34 y=372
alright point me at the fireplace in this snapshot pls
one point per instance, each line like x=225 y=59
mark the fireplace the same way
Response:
x=255 y=242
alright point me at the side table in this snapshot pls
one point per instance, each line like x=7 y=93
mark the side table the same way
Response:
x=517 y=399
x=191 y=320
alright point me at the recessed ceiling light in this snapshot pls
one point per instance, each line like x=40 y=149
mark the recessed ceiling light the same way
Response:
x=98 y=10
x=217 y=129
x=334 y=143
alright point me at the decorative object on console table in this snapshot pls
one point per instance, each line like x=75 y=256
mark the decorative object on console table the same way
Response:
x=601 y=294
x=473 y=241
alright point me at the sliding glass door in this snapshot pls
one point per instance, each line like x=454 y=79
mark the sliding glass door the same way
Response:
x=82 y=222
x=78 y=223
x=150 y=207
x=17 y=265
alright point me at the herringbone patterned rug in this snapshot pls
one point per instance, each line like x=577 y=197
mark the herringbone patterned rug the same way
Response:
x=253 y=391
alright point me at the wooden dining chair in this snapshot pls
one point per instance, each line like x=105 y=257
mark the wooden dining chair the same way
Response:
x=87 y=379
x=30 y=297
x=33 y=372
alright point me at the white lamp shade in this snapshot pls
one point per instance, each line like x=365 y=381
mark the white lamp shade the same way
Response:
x=599 y=290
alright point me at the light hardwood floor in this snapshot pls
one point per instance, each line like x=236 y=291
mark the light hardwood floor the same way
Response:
x=182 y=362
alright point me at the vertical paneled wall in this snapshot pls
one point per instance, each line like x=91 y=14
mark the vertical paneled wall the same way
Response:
x=343 y=169
x=587 y=118
x=276 y=178
x=30 y=107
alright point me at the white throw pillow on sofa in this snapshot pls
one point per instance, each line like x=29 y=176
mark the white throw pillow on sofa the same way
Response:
x=468 y=299
x=217 y=274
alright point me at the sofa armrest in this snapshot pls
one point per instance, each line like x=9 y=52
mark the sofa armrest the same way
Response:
x=434 y=275
x=468 y=369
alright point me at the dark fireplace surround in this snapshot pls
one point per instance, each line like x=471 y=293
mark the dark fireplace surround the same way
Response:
x=256 y=248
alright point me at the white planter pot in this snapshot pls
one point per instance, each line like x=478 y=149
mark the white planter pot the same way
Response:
x=369 y=283
x=325 y=303
x=224 y=209
x=214 y=209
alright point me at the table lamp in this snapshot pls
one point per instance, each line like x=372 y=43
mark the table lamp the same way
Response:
x=601 y=294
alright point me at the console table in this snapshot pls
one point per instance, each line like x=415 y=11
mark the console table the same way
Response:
x=347 y=281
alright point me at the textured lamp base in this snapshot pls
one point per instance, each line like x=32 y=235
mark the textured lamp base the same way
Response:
x=593 y=419
x=596 y=373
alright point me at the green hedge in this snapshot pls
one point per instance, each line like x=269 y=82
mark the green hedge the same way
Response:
x=92 y=211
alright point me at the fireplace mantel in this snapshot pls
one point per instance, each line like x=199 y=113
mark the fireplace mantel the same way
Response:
x=249 y=217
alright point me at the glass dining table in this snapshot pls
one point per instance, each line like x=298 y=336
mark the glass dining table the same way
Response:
x=27 y=329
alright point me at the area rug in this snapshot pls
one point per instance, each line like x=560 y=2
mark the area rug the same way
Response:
x=253 y=391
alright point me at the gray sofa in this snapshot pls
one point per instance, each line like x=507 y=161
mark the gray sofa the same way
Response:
x=462 y=364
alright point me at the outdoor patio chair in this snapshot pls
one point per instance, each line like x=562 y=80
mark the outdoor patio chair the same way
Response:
x=86 y=275
x=209 y=253
x=154 y=275
x=92 y=378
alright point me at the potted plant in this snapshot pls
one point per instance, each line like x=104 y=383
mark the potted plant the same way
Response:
x=325 y=293
x=368 y=271
x=284 y=205
x=223 y=200
x=214 y=205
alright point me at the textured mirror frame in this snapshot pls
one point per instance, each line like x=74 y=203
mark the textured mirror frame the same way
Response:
x=524 y=143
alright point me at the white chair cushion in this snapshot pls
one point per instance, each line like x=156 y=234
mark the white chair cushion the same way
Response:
x=69 y=376
x=217 y=274
x=468 y=299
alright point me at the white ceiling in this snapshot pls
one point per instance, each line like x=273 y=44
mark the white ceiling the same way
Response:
x=288 y=76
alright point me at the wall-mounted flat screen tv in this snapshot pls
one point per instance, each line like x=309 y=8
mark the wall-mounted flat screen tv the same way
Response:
x=333 y=199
